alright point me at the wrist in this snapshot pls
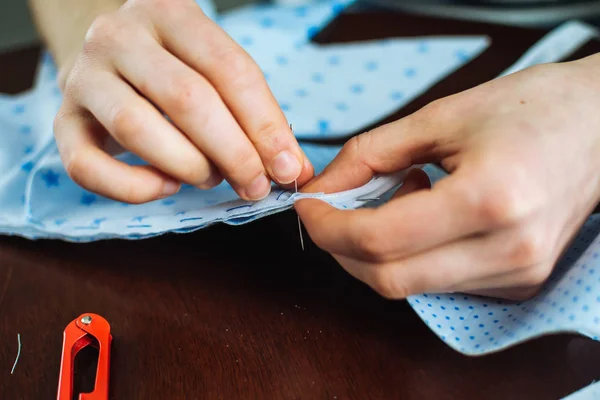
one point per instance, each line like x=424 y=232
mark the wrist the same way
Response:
x=63 y=24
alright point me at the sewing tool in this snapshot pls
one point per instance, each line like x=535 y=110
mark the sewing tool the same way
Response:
x=299 y=222
x=88 y=329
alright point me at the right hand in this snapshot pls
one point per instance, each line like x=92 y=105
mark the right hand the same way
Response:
x=155 y=57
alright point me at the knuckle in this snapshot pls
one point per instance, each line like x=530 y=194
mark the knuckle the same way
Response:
x=382 y=282
x=127 y=126
x=183 y=95
x=527 y=250
x=236 y=66
x=268 y=131
x=77 y=167
x=530 y=279
x=244 y=165
x=197 y=173
x=104 y=30
x=434 y=110
x=356 y=146
x=353 y=146
x=211 y=181
x=370 y=244
x=500 y=207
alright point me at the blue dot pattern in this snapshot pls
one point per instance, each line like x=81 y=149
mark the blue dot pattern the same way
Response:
x=569 y=302
x=351 y=85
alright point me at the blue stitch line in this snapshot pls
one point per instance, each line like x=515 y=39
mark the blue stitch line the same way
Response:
x=281 y=194
x=235 y=208
x=139 y=226
x=190 y=219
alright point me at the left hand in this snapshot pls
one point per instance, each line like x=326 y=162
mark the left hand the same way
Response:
x=523 y=153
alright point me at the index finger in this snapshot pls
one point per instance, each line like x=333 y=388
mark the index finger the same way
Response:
x=200 y=43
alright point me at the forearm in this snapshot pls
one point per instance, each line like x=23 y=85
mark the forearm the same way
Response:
x=63 y=24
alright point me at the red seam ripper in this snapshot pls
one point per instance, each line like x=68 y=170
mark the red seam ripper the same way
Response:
x=81 y=333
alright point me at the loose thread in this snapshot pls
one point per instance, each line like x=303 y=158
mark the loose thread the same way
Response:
x=299 y=223
x=18 y=354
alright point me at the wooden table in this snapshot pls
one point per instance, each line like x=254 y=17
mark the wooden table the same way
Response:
x=192 y=319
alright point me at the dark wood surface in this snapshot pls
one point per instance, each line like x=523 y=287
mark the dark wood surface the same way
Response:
x=193 y=319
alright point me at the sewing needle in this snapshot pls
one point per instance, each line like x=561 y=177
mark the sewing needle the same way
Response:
x=299 y=223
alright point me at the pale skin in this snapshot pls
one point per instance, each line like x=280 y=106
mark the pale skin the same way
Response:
x=523 y=151
x=523 y=154
x=124 y=64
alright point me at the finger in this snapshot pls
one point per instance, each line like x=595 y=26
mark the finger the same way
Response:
x=404 y=226
x=196 y=108
x=79 y=140
x=199 y=42
x=511 y=293
x=437 y=271
x=425 y=136
x=500 y=260
x=417 y=179
x=137 y=126
x=519 y=280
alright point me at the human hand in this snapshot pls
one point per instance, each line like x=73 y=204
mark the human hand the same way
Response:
x=155 y=56
x=523 y=154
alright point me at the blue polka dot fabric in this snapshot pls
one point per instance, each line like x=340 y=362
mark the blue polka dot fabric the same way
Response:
x=325 y=91
x=569 y=302
x=330 y=90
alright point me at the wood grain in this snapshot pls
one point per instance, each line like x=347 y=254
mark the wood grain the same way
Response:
x=192 y=319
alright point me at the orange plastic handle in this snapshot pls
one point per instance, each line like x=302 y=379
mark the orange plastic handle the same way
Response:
x=77 y=335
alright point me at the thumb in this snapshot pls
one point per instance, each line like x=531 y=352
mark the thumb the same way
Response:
x=416 y=139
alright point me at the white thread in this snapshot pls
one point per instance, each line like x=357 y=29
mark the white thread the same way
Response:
x=18 y=354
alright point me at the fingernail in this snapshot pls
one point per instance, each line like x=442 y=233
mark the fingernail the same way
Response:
x=286 y=167
x=259 y=188
x=170 y=188
x=214 y=180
